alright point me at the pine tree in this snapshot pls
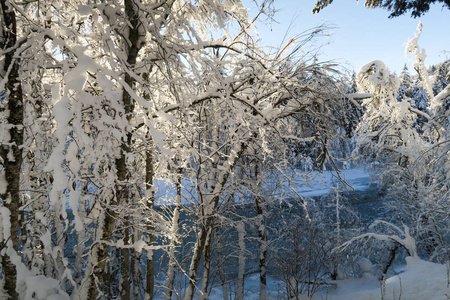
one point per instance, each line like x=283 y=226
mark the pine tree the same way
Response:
x=441 y=79
x=396 y=7
x=406 y=85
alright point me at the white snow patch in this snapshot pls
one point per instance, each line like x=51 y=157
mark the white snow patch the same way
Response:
x=84 y=10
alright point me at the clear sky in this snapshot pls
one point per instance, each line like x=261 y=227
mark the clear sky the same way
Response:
x=360 y=35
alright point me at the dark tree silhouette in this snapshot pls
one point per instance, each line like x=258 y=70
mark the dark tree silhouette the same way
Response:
x=396 y=7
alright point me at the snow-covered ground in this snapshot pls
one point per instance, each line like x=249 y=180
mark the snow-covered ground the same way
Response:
x=420 y=280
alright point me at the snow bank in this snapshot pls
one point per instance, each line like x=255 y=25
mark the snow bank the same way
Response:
x=421 y=280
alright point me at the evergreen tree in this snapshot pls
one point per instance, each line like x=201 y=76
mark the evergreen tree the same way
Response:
x=396 y=7
x=441 y=77
x=354 y=111
x=406 y=85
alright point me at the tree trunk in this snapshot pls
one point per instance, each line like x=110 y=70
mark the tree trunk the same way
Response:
x=217 y=184
x=11 y=151
x=125 y=263
x=262 y=238
x=100 y=256
x=133 y=46
x=135 y=269
x=337 y=256
x=241 y=269
x=79 y=250
x=58 y=265
x=195 y=261
x=221 y=267
x=206 y=266
x=150 y=195
x=173 y=244
x=262 y=241
x=392 y=254
x=101 y=273
x=207 y=207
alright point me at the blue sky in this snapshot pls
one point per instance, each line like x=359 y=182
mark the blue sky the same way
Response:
x=360 y=35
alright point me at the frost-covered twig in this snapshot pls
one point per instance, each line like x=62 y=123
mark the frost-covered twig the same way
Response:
x=436 y=101
x=412 y=46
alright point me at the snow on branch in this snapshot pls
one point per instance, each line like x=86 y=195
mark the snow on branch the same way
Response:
x=404 y=239
x=412 y=46
x=439 y=100
x=359 y=96
x=419 y=112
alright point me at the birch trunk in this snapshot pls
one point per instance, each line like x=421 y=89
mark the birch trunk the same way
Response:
x=125 y=263
x=337 y=256
x=206 y=266
x=262 y=237
x=80 y=249
x=210 y=203
x=195 y=261
x=222 y=273
x=207 y=207
x=150 y=195
x=11 y=151
x=135 y=269
x=58 y=265
x=133 y=46
x=262 y=241
x=173 y=244
x=241 y=269
x=100 y=256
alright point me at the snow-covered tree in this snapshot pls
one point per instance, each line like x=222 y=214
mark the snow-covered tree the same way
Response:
x=412 y=160
x=406 y=85
x=100 y=98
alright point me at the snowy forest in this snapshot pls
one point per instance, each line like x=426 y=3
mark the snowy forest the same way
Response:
x=154 y=149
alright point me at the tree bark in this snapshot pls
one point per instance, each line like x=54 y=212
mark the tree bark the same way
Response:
x=221 y=267
x=392 y=253
x=241 y=269
x=150 y=195
x=262 y=241
x=135 y=269
x=11 y=151
x=262 y=238
x=217 y=185
x=206 y=266
x=125 y=263
x=173 y=244
x=195 y=261
x=133 y=45
x=101 y=251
